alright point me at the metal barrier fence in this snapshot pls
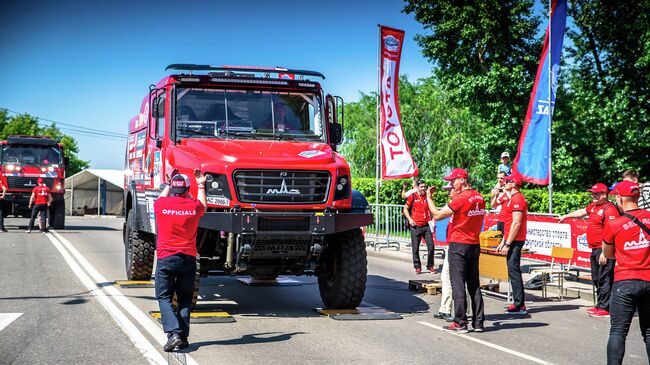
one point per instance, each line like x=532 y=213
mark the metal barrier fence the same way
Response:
x=389 y=228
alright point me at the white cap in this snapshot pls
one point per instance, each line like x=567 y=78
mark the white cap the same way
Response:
x=505 y=154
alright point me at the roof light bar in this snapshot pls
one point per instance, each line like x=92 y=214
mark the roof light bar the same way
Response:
x=192 y=67
x=249 y=81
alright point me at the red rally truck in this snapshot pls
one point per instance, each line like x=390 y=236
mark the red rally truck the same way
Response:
x=279 y=195
x=23 y=159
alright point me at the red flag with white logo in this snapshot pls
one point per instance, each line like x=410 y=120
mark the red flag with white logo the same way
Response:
x=396 y=162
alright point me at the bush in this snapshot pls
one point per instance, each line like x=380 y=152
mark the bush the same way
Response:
x=537 y=198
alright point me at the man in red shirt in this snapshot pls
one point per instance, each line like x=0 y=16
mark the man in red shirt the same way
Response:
x=40 y=199
x=627 y=239
x=416 y=211
x=515 y=216
x=467 y=209
x=177 y=222
x=3 y=191
x=599 y=211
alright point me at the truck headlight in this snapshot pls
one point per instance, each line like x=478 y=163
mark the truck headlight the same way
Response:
x=342 y=188
x=217 y=185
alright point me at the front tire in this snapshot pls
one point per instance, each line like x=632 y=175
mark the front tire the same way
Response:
x=57 y=214
x=343 y=270
x=138 y=251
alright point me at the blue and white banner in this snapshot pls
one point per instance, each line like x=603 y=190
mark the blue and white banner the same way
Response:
x=533 y=155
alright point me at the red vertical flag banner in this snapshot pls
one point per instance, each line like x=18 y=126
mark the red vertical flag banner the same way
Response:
x=397 y=161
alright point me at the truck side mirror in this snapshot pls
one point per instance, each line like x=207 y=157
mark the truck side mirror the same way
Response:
x=158 y=108
x=336 y=134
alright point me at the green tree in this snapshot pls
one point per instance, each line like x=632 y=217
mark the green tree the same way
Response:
x=25 y=124
x=485 y=57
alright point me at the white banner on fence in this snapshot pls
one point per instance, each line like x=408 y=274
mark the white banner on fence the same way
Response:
x=541 y=237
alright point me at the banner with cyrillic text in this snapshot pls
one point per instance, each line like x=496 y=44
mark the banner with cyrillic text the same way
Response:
x=397 y=161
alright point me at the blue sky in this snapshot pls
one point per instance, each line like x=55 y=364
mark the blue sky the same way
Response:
x=89 y=63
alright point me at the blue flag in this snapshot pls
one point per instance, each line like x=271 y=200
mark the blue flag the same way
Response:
x=532 y=160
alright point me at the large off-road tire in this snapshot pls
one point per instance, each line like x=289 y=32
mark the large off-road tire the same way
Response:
x=138 y=251
x=57 y=214
x=197 y=283
x=343 y=271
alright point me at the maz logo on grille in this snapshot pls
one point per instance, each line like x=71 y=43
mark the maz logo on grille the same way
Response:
x=283 y=190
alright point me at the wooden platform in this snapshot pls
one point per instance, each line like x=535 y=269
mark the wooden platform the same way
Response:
x=431 y=287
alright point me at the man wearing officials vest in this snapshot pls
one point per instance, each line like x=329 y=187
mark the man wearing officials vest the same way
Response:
x=599 y=211
x=177 y=221
x=627 y=239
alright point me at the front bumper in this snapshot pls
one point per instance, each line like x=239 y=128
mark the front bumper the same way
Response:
x=284 y=223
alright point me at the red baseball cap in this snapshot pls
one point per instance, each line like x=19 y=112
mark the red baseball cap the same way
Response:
x=514 y=177
x=626 y=188
x=40 y=180
x=456 y=173
x=180 y=183
x=598 y=188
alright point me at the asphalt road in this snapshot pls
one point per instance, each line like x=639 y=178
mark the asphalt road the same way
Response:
x=72 y=314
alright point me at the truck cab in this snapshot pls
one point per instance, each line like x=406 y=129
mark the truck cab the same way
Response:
x=279 y=194
x=24 y=159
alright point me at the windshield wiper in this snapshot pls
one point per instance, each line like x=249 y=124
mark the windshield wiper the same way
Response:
x=192 y=131
x=250 y=135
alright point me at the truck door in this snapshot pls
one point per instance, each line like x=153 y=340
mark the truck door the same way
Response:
x=155 y=153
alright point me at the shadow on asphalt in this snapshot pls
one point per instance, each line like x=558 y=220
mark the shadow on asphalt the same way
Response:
x=254 y=338
x=227 y=294
x=72 y=229
x=499 y=326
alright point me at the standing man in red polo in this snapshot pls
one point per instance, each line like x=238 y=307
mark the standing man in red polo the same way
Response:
x=468 y=209
x=3 y=191
x=416 y=211
x=40 y=199
x=515 y=214
x=177 y=221
x=627 y=239
x=600 y=211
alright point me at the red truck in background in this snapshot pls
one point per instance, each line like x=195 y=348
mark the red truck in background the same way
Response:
x=23 y=159
x=279 y=195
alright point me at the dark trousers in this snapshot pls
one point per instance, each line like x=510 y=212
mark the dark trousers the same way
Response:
x=38 y=209
x=463 y=269
x=627 y=297
x=603 y=278
x=514 y=272
x=2 y=219
x=175 y=275
x=416 y=236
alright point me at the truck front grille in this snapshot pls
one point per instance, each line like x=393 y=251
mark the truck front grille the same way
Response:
x=23 y=182
x=282 y=187
x=283 y=224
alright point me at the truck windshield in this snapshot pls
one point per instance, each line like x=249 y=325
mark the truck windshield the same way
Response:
x=248 y=114
x=30 y=155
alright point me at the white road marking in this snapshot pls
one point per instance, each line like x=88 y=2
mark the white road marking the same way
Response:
x=7 y=318
x=142 y=318
x=138 y=339
x=489 y=344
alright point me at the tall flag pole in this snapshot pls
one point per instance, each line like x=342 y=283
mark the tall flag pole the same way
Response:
x=377 y=147
x=533 y=160
x=396 y=159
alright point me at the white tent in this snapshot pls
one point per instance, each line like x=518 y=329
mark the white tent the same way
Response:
x=84 y=189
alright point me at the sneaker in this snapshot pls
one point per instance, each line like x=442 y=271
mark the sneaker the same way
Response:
x=3 y=230
x=173 y=342
x=592 y=309
x=479 y=329
x=449 y=319
x=184 y=343
x=599 y=313
x=455 y=327
x=28 y=231
x=431 y=269
x=513 y=309
x=418 y=270
x=441 y=315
